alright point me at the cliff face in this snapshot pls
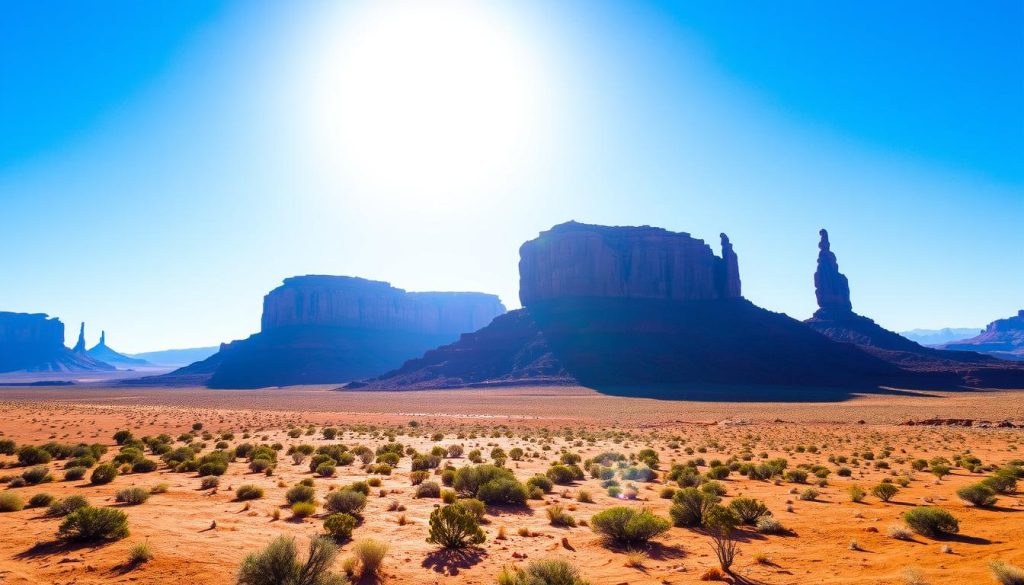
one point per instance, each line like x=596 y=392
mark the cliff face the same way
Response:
x=1002 y=338
x=575 y=260
x=836 y=320
x=329 y=329
x=35 y=342
x=645 y=309
x=343 y=301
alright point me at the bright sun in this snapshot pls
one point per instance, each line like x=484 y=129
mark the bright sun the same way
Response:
x=428 y=98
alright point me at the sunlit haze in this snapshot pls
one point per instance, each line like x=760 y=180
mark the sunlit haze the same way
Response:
x=165 y=165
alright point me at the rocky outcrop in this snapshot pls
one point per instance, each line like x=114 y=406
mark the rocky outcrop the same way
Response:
x=645 y=309
x=575 y=260
x=511 y=350
x=343 y=301
x=34 y=342
x=1002 y=338
x=329 y=329
x=836 y=320
x=101 y=351
x=831 y=287
x=80 y=346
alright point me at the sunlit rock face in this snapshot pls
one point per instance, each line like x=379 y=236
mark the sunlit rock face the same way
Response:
x=34 y=342
x=574 y=260
x=330 y=329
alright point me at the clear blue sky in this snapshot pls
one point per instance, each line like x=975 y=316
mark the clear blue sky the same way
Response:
x=165 y=164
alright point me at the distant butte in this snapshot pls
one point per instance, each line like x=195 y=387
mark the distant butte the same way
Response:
x=34 y=342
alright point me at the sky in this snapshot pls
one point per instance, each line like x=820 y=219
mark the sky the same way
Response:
x=163 y=165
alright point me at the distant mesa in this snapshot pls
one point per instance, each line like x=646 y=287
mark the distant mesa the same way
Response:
x=329 y=329
x=836 y=320
x=1002 y=338
x=34 y=342
x=642 y=307
x=104 y=353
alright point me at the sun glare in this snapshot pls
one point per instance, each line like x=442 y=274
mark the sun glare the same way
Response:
x=430 y=99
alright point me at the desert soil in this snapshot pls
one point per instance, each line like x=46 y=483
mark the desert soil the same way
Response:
x=831 y=540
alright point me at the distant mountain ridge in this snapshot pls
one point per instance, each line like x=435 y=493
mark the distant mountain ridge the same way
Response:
x=176 y=357
x=932 y=337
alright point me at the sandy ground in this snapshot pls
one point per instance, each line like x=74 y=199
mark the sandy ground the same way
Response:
x=542 y=421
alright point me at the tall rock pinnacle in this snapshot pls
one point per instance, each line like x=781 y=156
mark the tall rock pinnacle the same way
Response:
x=80 y=346
x=830 y=286
x=103 y=339
x=732 y=268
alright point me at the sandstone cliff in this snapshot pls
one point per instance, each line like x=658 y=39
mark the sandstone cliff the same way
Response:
x=836 y=320
x=1002 y=338
x=34 y=342
x=574 y=260
x=329 y=329
x=343 y=301
x=648 y=309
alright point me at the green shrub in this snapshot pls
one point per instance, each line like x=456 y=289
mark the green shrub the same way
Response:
x=796 y=476
x=503 y=491
x=11 y=502
x=884 y=491
x=103 y=474
x=929 y=521
x=144 y=466
x=209 y=482
x=857 y=493
x=550 y=571
x=809 y=495
x=32 y=455
x=74 y=473
x=277 y=564
x=132 y=496
x=300 y=493
x=689 y=506
x=560 y=474
x=1003 y=481
x=303 y=509
x=67 y=505
x=370 y=553
x=557 y=516
x=628 y=527
x=7 y=447
x=36 y=475
x=749 y=510
x=248 y=492
x=89 y=524
x=428 y=489
x=346 y=501
x=123 y=436
x=39 y=500
x=469 y=479
x=541 y=481
x=474 y=507
x=977 y=494
x=769 y=525
x=340 y=525
x=454 y=527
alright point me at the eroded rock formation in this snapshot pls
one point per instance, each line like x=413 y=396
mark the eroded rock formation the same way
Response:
x=645 y=308
x=575 y=260
x=328 y=329
x=34 y=342
x=1002 y=338
x=104 y=353
x=836 y=320
x=831 y=287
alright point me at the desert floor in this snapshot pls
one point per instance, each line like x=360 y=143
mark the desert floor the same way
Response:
x=830 y=540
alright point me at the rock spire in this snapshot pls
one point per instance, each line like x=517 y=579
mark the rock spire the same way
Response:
x=830 y=286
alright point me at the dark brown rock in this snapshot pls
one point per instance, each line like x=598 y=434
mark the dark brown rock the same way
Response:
x=831 y=287
x=575 y=260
